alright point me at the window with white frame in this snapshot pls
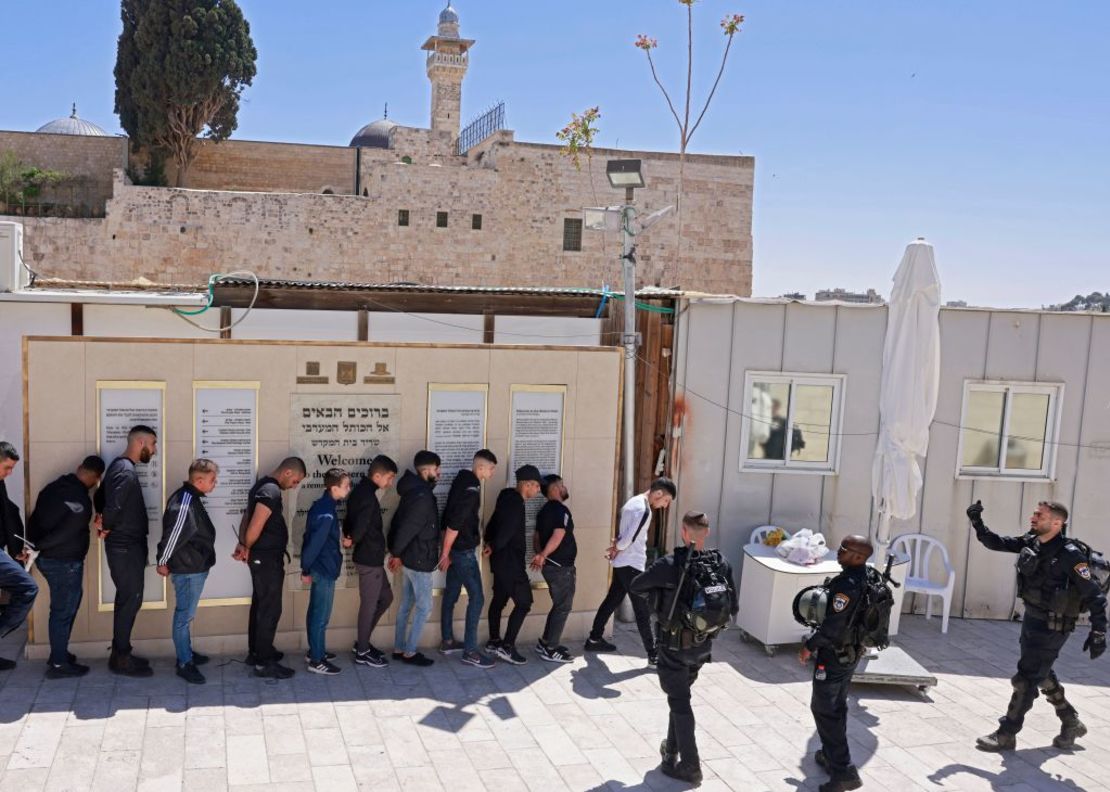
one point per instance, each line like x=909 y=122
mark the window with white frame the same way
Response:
x=792 y=422
x=1009 y=429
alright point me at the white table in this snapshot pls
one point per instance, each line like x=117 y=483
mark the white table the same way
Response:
x=768 y=585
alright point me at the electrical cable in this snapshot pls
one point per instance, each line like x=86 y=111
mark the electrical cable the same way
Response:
x=184 y=315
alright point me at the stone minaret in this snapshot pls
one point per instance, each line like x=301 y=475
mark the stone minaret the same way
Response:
x=447 y=62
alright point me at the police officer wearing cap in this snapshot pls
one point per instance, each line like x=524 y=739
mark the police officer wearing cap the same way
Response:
x=1055 y=582
x=836 y=651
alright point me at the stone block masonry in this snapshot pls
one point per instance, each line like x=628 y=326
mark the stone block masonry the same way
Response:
x=523 y=192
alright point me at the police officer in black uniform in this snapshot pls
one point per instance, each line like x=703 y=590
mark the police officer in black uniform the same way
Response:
x=1055 y=582
x=836 y=651
x=682 y=653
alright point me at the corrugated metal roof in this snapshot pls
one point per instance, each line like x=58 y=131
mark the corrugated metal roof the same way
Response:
x=554 y=291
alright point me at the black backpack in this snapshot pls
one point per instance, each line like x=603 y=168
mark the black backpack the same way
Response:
x=871 y=620
x=1097 y=563
x=703 y=599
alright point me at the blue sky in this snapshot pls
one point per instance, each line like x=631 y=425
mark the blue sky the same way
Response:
x=983 y=126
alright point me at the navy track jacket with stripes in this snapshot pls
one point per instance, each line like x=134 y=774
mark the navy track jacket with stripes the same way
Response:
x=188 y=537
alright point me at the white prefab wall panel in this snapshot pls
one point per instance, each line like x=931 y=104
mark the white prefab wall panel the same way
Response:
x=560 y=330
x=279 y=324
x=140 y=321
x=428 y=328
x=718 y=344
x=16 y=321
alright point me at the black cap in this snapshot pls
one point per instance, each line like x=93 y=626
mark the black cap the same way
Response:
x=528 y=473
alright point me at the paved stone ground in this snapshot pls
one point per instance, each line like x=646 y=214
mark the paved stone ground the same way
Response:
x=592 y=725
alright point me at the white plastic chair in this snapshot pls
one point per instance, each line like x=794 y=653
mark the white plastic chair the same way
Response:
x=920 y=549
x=760 y=533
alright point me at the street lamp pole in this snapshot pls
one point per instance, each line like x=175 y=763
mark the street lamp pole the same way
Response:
x=630 y=340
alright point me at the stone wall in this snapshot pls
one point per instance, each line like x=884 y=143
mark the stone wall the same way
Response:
x=89 y=159
x=254 y=166
x=522 y=191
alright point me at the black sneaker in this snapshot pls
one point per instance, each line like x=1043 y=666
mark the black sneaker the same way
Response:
x=327 y=656
x=253 y=661
x=510 y=655
x=599 y=645
x=325 y=667
x=140 y=661
x=554 y=654
x=274 y=670
x=371 y=657
x=492 y=647
x=417 y=659
x=190 y=674
x=476 y=659
x=200 y=659
x=690 y=772
x=71 y=657
x=450 y=647
x=66 y=671
x=125 y=665
x=821 y=759
x=653 y=659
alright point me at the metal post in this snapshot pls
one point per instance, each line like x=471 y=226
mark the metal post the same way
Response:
x=629 y=340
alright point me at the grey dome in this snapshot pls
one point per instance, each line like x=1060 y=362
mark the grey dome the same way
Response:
x=449 y=16
x=377 y=134
x=73 y=126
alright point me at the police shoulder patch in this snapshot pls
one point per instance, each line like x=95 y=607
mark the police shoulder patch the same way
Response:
x=840 y=602
x=1083 y=570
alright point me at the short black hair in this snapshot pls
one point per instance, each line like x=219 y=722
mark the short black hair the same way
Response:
x=1057 y=509
x=424 y=458
x=141 y=429
x=664 y=484
x=93 y=464
x=487 y=455
x=7 y=451
x=294 y=463
x=334 y=477
x=548 y=480
x=381 y=464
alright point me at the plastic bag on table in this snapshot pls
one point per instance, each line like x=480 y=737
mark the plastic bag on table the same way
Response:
x=803 y=548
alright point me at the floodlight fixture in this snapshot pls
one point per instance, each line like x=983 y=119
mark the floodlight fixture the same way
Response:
x=624 y=173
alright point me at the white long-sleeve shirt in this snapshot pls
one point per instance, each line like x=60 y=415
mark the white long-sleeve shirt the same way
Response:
x=633 y=553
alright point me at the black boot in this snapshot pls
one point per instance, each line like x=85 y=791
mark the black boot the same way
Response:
x=844 y=780
x=125 y=665
x=996 y=741
x=1069 y=732
x=690 y=772
x=669 y=759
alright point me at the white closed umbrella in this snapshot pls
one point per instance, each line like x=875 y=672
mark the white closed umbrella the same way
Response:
x=908 y=397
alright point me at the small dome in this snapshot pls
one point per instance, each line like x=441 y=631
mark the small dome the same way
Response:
x=73 y=126
x=449 y=16
x=377 y=134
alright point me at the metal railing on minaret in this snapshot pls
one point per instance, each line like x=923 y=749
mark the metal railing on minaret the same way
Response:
x=481 y=128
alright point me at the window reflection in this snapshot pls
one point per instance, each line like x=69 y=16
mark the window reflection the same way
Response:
x=983 y=428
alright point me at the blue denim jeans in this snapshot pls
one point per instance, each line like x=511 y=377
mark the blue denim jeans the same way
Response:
x=65 y=580
x=22 y=590
x=463 y=572
x=186 y=590
x=416 y=596
x=320 y=599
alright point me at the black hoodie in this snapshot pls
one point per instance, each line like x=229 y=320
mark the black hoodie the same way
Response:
x=363 y=524
x=506 y=536
x=59 y=525
x=414 y=532
x=460 y=513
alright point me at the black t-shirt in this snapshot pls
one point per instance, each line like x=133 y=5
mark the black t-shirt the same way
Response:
x=552 y=516
x=275 y=533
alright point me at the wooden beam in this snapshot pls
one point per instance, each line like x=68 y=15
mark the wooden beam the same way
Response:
x=363 y=324
x=488 y=333
x=410 y=302
x=77 y=319
x=225 y=321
